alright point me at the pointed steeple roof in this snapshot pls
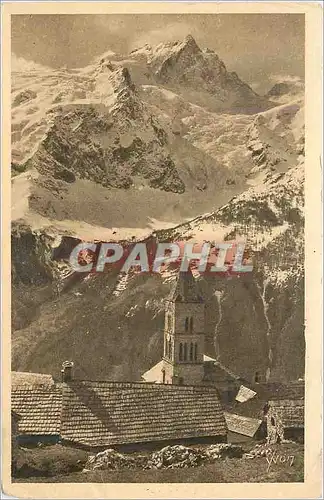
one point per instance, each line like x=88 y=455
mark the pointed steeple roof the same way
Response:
x=185 y=288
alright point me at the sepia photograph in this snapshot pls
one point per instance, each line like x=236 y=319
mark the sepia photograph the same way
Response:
x=157 y=248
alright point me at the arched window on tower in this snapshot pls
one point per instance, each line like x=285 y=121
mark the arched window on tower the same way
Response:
x=191 y=325
x=257 y=377
x=181 y=352
x=186 y=324
x=185 y=352
x=165 y=347
x=196 y=352
x=191 y=354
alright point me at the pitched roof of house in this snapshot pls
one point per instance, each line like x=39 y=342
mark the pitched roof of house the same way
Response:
x=278 y=390
x=185 y=289
x=292 y=391
x=109 y=413
x=39 y=409
x=255 y=407
x=28 y=379
x=290 y=412
x=242 y=425
x=215 y=371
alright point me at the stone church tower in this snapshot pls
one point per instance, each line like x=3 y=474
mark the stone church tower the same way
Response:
x=184 y=332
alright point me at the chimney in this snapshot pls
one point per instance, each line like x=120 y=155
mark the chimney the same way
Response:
x=67 y=371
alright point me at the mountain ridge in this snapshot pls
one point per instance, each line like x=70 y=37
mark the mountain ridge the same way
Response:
x=128 y=150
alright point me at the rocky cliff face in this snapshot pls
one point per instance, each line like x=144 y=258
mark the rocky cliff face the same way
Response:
x=164 y=133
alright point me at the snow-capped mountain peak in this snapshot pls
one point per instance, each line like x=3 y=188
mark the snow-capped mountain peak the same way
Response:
x=199 y=75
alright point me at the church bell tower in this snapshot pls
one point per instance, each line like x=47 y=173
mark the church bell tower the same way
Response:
x=184 y=332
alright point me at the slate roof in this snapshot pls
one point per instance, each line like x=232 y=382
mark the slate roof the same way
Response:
x=276 y=390
x=39 y=409
x=216 y=372
x=28 y=379
x=110 y=413
x=185 y=289
x=242 y=425
x=291 y=413
x=253 y=408
x=292 y=391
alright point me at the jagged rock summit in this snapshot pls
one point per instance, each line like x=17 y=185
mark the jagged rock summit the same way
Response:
x=202 y=73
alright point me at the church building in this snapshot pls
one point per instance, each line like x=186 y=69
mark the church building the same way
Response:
x=184 y=334
x=184 y=361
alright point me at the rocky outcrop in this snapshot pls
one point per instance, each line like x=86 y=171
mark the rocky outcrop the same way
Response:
x=276 y=138
x=108 y=142
x=169 y=457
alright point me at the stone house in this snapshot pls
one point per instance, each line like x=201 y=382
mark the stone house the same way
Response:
x=285 y=420
x=260 y=402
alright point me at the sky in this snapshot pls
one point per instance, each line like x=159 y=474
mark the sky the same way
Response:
x=261 y=48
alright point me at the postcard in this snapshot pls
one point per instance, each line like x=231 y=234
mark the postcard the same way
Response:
x=161 y=187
